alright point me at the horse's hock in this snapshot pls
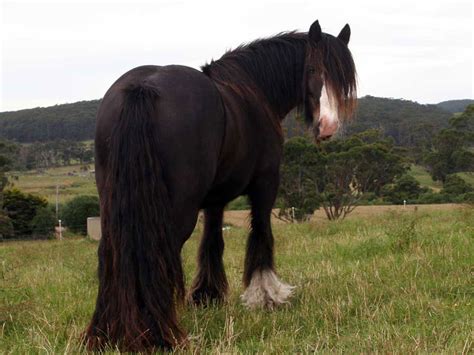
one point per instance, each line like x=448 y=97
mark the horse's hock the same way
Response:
x=93 y=228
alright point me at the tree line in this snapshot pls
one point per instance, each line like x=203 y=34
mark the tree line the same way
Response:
x=44 y=155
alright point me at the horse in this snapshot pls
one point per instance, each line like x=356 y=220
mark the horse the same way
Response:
x=171 y=141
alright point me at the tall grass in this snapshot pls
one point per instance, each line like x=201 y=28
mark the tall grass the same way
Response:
x=400 y=282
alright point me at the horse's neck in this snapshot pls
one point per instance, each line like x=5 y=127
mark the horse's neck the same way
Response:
x=281 y=86
x=270 y=74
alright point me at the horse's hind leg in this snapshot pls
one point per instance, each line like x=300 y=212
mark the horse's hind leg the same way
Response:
x=263 y=288
x=210 y=282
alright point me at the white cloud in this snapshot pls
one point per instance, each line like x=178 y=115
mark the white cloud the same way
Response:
x=64 y=51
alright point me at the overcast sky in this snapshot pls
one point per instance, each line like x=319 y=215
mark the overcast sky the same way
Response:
x=67 y=51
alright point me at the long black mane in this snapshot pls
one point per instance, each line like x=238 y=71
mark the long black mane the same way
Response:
x=274 y=68
x=263 y=65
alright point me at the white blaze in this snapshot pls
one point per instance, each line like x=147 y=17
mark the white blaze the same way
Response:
x=328 y=116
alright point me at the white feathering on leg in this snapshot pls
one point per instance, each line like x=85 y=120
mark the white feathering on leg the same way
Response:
x=266 y=291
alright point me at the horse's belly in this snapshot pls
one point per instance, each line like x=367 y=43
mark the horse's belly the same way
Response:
x=222 y=194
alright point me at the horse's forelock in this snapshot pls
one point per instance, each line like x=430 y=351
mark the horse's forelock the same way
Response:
x=340 y=75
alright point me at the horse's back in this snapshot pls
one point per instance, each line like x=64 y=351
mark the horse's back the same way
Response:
x=188 y=124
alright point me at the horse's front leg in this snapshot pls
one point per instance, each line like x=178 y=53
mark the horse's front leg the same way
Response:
x=263 y=288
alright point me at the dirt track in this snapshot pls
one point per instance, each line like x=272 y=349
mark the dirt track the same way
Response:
x=241 y=218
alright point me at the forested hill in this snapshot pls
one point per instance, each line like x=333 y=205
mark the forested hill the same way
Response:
x=401 y=119
x=455 y=106
x=405 y=121
x=74 y=122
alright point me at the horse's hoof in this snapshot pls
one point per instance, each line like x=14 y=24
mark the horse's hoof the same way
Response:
x=204 y=297
x=266 y=291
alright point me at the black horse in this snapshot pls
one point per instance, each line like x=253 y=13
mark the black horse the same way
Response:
x=173 y=140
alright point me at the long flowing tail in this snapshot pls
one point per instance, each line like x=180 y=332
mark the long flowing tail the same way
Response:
x=140 y=274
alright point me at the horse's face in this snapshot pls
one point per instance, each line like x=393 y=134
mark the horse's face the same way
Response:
x=321 y=105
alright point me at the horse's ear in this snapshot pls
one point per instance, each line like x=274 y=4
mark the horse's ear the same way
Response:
x=345 y=34
x=315 y=33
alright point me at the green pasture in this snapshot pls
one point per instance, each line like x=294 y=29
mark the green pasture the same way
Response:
x=400 y=282
x=70 y=180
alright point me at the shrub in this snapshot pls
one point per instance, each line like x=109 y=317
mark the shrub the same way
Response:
x=298 y=194
x=405 y=188
x=6 y=226
x=240 y=203
x=43 y=223
x=468 y=197
x=455 y=185
x=75 y=213
x=432 y=197
x=21 y=208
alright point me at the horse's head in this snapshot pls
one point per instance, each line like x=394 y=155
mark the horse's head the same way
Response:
x=329 y=81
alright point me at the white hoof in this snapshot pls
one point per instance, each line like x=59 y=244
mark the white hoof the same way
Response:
x=266 y=291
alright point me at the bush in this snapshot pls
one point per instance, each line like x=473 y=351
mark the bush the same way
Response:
x=6 y=226
x=298 y=194
x=455 y=185
x=405 y=188
x=240 y=203
x=432 y=197
x=75 y=213
x=43 y=223
x=468 y=197
x=371 y=199
x=22 y=208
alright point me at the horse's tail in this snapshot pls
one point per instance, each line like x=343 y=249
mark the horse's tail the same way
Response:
x=140 y=274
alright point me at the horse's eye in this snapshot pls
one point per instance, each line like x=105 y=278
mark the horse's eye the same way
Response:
x=311 y=70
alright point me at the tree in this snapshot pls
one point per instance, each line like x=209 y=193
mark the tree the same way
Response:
x=302 y=165
x=3 y=178
x=455 y=185
x=43 y=223
x=6 y=151
x=21 y=208
x=452 y=151
x=362 y=163
x=77 y=210
x=6 y=226
x=337 y=174
x=405 y=188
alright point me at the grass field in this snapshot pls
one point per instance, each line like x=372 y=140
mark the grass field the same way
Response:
x=71 y=182
x=397 y=282
x=424 y=178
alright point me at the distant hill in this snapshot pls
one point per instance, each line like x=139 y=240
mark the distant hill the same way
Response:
x=405 y=121
x=455 y=106
x=75 y=122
